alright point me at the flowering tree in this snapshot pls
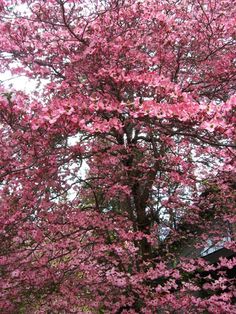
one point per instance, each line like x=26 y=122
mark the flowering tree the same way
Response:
x=120 y=167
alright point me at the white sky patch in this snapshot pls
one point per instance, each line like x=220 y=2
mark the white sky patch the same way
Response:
x=19 y=83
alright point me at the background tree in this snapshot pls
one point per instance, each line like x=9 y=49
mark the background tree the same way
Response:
x=141 y=95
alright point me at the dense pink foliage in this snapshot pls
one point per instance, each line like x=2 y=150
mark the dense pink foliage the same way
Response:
x=122 y=160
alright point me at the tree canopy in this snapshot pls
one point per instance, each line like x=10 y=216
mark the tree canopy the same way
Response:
x=119 y=169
